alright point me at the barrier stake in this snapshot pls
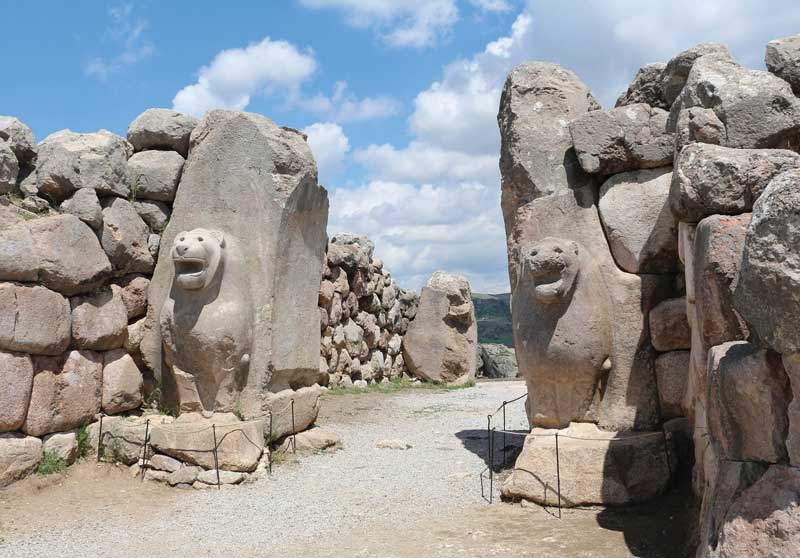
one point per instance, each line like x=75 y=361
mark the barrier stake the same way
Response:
x=269 y=449
x=144 y=447
x=216 y=459
x=558 y=478
x=294 y=440
x=100 y=438
x=504 y=433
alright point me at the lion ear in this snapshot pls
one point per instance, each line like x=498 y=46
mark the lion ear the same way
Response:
x=219 y=237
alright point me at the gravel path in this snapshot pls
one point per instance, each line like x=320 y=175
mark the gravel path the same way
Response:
x=324 y=497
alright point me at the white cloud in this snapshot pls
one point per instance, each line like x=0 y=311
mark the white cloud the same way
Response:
x=329 y=145
x=344 y=107
x=492 y=5
x=128 y=33
x=236 y=74
x=401 y=23
x=418 y=229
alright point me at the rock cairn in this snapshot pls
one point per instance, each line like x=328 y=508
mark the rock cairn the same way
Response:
x=363 y=315
x=694 y=179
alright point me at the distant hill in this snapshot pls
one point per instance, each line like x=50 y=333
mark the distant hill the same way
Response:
x=493 y=312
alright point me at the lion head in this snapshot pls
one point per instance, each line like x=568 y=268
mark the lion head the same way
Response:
x=553 y=265
x=197 y=254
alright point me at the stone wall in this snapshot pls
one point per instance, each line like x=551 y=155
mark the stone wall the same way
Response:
x=363 y=315
x=680 y=208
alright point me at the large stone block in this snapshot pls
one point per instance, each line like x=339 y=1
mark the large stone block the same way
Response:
x=234 y=295
x=642 y=232
x=768 y=291
x=16 y=381
x=791 y=363
x=68 y=161
x=306 y=408
x=672 y=373
x=19 y=457
x=645 y=88
x=497 y=361
x=19 y=137
x=122 y=383
x=783 y=59
x=715 y=180
x=155 y=174
x=124 y=237
x=85 y=205
x=99 y=321
x=669 y=327
x=676 y=72
x=441 y=342
x=597 y=467
x=9 y=169
x=66 y=392
x=748 y=397
x=622 y=139
x=33 y=319
x=159 y=128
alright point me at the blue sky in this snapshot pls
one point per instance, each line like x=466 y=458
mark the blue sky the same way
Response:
x=398 y=97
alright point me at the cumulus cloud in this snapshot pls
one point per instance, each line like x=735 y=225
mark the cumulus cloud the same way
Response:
x=236 y=74
x=401 y=23
x=418 y=229
x=342 y=106
x=492 y=5
x=128 y=33
x=330 y=146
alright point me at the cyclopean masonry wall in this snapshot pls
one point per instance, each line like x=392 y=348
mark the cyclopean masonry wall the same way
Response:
x=650 y=299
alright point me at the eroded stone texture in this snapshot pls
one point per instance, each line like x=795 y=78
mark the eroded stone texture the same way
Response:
x=672 y=373
x=748 y=396
x=159 y=128
x=783 y=60
x=66 y=392
x=124 y=237
x=63 y=445
x=669 y=328
x=360 y=240
x=133 y=290
x=497 y=361
x=265 y=295
x=642 y=232
x=710 y=179
x=441 y=342
x=122 y=383
x=154 y=213
x=622 y=139
x=646 y=88
x=791 y=363
x=155 y=174
x=19 y=457
x=675 y=74
x=9 y=169
x=19 y=137
x=597 y=467
x=19 y=260
x=33 y=319
x=99 y=321
x=68 y=161
x=16 y=381
x=768 y=291
x=84 y=205
x=756 y=109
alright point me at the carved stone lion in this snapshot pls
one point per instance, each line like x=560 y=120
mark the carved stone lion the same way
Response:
x=564 y=333
x=206 y=324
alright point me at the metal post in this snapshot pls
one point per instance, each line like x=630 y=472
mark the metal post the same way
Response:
x=504 y=433
x=294 y=440
x=100 y=438
x=144 y=447
x=491 y=466
x=558 y=477
x=269 y=449
x=216 y=459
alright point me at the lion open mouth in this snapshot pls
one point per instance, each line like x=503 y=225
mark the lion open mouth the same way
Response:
x=190 y=266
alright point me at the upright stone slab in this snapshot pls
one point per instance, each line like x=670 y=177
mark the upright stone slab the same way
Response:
x=234 y=294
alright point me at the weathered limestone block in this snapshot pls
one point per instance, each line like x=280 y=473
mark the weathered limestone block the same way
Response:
x=714 y=180
x=190 y=438
x=154 y=213
x=123 y=437
x=791 y=363
x=68 y=161
x=9 y=169
x=675 y=74
x=748 y=396
x=19 y=457
x=133 y=290
x=768 y=291
x=122 y=383
x=669 y=328
x=11 y=214
x=755 y=108
x=33 y=320
x=85 y=205
x=159 y=128
x=16 y=381
x=70 y=259
x=622 y=139
x=19 y=137
x=782 y=59
x=18 y=258
x=66 y=392
x=255 y=319
x=347 y=256
x=360 y=240
x=597 y=467
x=765 y=519
x=497 y=361
x=63 y=445
x=672 y=373
x=642 y=232
x=99 y=321
x=646 y=88
x=441 y=343
x=124 y=237
x=155 y=174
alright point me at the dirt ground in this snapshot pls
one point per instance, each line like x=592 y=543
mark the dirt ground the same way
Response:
x=68 y=502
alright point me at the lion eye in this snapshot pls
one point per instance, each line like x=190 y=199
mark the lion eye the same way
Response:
x=183 y=238
x=534 y=252
x=558 y=250
x=200 y=238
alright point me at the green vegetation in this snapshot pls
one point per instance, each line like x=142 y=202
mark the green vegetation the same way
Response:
x=493 y=314
x=51 y=463
x=84 y=444
x=396 y=384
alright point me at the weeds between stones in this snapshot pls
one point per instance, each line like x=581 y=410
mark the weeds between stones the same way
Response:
x=51 y=463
